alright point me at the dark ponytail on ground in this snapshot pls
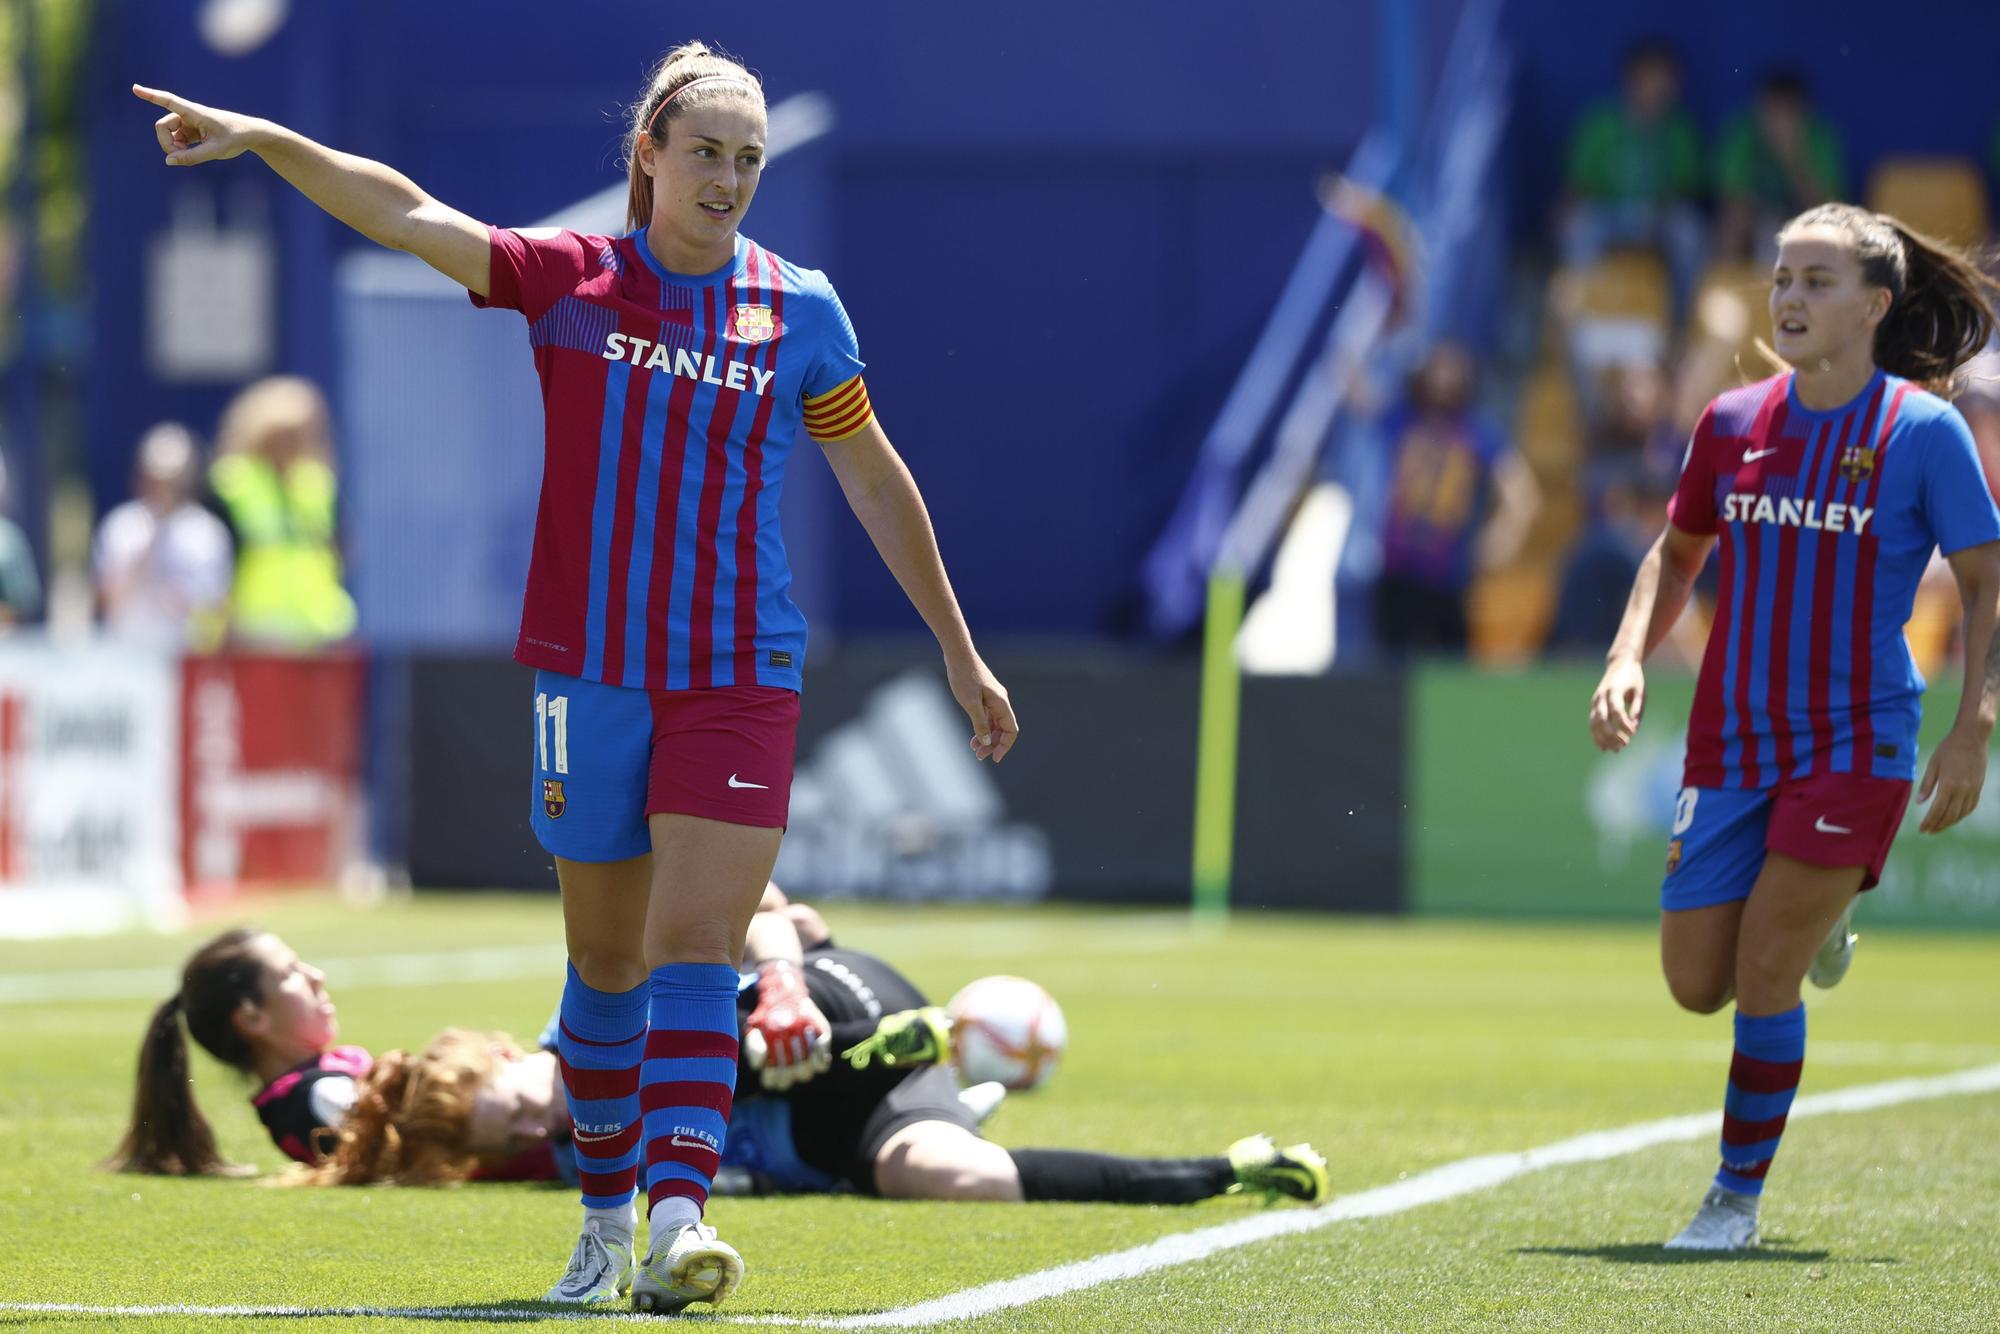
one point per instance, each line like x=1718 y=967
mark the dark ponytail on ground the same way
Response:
x=169 y=1136
x=1942 y=304
x=677 y=69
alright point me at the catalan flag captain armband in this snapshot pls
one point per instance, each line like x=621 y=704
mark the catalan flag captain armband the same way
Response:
x=839 y=412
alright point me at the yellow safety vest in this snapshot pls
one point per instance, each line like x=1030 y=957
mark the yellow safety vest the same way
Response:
x=287 y=588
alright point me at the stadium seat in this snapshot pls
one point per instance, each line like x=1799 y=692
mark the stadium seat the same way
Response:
x=1619 y=310
x=1941 y=196
x=1547 y=429
x=1509 y=611
x=1625 y=285
x=1549 y=433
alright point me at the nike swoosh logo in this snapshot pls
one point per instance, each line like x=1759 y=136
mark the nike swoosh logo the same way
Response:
x=1760 y=454
x=680 y=1143
x=735 y=782
x=579 y=1137
x=1825 y=828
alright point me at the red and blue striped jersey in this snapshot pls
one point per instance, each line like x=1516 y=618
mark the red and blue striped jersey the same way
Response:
x=670 y=406
x=1826 y=522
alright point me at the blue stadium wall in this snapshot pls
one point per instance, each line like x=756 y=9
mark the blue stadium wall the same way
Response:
x=1055 y=274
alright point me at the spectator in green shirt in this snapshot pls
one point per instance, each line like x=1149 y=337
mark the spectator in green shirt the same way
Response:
x=1777 y=160
x=1634 y=175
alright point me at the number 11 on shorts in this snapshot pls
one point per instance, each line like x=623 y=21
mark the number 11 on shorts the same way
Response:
x=552 y=713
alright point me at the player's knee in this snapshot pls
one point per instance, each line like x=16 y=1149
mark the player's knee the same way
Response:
x=606 y=965
x=694 y=938
x=1767 y=977
x=1699 y=991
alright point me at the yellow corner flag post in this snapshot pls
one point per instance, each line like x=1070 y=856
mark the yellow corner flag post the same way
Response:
x=1215 y=755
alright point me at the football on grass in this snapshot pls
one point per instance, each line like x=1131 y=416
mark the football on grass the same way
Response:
x=1006 y=1028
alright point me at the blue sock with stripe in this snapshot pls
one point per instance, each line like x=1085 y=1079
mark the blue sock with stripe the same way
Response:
x=687 y=1085
x=1763 y=1079
x=600 y=1039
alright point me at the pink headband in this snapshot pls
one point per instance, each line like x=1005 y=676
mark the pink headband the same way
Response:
x=691 y=83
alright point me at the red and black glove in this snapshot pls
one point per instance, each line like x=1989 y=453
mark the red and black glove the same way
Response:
x=787 y=1039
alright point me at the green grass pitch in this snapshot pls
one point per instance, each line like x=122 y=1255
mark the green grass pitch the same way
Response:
x=1394 y=1046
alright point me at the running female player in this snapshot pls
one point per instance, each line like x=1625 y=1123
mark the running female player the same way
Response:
x=1828 y=487
x=677 y=364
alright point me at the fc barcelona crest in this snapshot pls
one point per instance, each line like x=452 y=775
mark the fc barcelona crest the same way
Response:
x=1673 y=856
x=1857 y=462
x=753 y=324
x=554 y=803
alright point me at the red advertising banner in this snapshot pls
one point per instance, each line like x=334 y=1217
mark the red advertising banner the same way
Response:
x=270 y=771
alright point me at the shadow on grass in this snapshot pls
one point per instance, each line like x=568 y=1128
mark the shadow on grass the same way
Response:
x=1638 y=1253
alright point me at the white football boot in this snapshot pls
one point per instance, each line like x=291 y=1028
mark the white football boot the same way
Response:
x=600 y=1268
x=691 y=1266
x=1726 y=1221
x=1835 y=953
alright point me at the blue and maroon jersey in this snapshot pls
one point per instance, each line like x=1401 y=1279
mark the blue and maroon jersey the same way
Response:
x=1441 y=472
x=670 y=406
x=1826 y=521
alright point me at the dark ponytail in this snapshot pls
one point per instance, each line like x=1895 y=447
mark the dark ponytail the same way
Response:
x=169 y=1136
x=678 y=68
x=1944 y=317
x=1941 y=304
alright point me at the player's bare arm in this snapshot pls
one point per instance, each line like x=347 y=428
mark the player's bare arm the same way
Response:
x=379 y=202
x=1660 y=593
x=883 y=495
x=1957 y=768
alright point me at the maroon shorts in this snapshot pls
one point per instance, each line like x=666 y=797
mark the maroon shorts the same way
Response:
x=724 y=754
x=606 y=757
x=1838 y=820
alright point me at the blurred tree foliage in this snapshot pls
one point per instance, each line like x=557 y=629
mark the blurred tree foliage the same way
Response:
x=42 y=46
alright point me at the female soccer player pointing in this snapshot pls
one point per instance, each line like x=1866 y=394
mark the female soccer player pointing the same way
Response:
x=1828 y=488
x=677 y=363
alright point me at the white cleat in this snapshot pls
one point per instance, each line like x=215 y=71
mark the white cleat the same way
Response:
x=600 y=1268
x=982 y=1100
x=1835 y=953
x=693 y=1267
x=1726 y=1221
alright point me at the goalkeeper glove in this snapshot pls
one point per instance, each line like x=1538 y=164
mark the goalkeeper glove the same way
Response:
x=908 y=1037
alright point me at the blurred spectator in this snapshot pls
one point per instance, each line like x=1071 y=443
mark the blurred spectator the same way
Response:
x=20 y=588
x=1634 y=428
x=273 y=474
x=1635 y=172
x=1442 y=459
x=1629 y=515
x=1777 y=159
x=161 y=561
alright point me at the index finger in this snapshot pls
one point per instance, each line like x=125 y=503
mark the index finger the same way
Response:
x=160 y=97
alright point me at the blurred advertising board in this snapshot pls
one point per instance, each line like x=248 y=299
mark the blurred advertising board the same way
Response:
x=89 y=841
x=270 y=772
x=1096 y=803
x=132 y=782
x=1514 y=812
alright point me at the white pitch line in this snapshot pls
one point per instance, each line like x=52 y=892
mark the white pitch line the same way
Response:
x=1450 y=1181
x=504 y=963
